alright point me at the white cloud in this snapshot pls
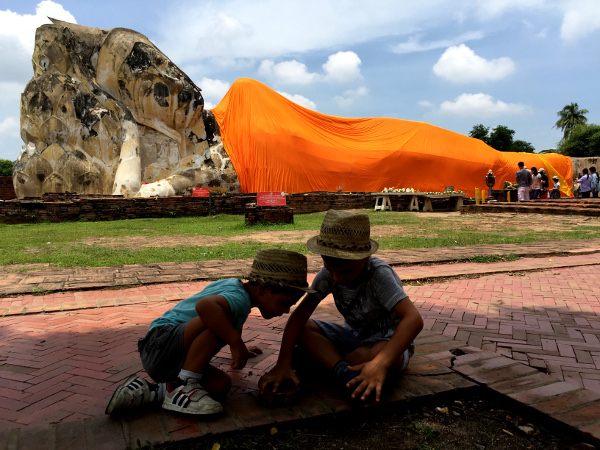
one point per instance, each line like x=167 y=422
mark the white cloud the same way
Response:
x=10 y=128
x=482 y=105
x=581 y=17
x=22 y=26
x=266 y=29
x=460 y=64
x=17 y=36
x=488 y=10
x=342 y=67
x=414 y=44
x=351 y=96
x=287 y=72
x=213 y=91
x=426 y=104
x=299 y=100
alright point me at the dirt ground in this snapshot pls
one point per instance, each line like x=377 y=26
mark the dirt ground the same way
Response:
x=466 y=422
x=487 y=222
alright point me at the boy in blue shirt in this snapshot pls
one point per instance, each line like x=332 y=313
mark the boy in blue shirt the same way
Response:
x=381 y=322
x=180 y=344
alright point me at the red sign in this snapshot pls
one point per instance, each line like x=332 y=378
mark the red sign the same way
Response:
x=200 y=192
x=270 y=198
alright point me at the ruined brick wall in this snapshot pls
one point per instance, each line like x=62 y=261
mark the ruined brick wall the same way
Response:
x=7 y=190
x=70 y=207
x=268 y=214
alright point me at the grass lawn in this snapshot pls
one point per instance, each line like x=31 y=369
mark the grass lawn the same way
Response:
x=98 y=244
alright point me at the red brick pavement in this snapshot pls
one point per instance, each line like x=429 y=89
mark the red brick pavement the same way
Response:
x=58 y=369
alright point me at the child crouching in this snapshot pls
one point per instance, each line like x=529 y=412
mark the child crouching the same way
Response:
x=180 y=344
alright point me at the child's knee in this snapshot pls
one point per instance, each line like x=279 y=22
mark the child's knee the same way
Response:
x=308 y=332
x=216 y=382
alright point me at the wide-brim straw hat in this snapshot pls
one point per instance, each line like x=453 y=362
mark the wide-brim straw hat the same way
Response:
x=344 y=235
x=277 y=267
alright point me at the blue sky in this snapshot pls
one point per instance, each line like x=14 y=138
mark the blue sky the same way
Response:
x=450 y=63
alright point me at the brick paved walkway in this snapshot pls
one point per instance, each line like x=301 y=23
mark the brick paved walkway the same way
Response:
x=531 y=335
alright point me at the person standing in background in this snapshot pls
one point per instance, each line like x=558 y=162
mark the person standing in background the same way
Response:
x=523 y=182
x=585 y=184
x=595 y=185
x=545 y=183
x=536 y=183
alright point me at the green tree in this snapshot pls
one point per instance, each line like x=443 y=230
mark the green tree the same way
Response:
x=501 y=138
x=6 y=168
x=582 y=141
x=522 y=146
x=569 y=117
x=480 y=132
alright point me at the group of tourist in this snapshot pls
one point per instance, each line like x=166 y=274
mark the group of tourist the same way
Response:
x=534 y=184
x=588 y=183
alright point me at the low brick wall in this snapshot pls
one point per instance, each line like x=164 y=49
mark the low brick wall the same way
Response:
x=268 y=214
x=7 y=189
x=73 y=207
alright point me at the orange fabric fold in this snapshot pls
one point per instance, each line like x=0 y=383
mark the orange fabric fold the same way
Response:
x=277 y=145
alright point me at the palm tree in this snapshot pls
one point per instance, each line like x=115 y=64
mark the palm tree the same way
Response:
x=570 y=116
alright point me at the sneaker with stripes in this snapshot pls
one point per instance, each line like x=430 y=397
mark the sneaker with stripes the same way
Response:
x=190 y=398
x=130 y=396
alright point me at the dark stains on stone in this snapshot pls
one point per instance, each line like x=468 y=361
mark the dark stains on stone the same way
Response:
x=40 y=103
x=161 y=93
x=214 y=183
x=79 y=155
x=140 y=58
x=84 y=103
x=211 y=126
x=209 y=163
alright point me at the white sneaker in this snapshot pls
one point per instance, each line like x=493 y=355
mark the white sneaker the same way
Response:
x=190 y=398
x=130 y=396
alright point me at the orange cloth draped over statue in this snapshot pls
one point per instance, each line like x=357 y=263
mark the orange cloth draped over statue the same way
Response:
x=277 y=145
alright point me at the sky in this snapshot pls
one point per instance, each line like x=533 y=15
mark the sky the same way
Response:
x=451 y=63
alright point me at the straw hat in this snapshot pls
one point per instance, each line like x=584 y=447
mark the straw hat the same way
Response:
x=344 y=235
x=280 y=268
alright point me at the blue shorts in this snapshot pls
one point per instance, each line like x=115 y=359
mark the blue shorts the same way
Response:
x=345 y=342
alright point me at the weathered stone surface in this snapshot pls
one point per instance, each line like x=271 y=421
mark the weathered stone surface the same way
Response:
x=107 y=113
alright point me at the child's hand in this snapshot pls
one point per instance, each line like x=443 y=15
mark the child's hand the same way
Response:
x=276 y=375
x=240 y=355
x=254 y=351
x=371 y=379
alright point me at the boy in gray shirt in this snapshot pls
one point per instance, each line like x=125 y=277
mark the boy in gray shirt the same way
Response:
x=381 y=322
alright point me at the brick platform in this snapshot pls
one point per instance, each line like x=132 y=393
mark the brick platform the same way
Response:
x=533 y=336
x=578 y=206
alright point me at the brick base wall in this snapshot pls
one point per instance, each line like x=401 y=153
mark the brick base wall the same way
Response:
x=7 y=189
x=73 y=207
x=268 y=214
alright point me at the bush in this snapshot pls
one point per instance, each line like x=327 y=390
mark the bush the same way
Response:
x=6 y=168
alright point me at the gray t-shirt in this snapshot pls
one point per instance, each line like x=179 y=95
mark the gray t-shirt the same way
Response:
x=367 y=303
x=524 y=178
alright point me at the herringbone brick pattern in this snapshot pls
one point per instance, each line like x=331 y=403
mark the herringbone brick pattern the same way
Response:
x=63 y=366
x=549 y=320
